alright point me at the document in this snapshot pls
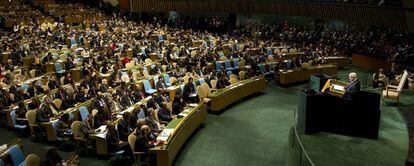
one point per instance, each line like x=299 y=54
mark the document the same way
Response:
x=165 y=134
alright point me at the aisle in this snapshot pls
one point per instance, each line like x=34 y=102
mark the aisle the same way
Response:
x=252 y=132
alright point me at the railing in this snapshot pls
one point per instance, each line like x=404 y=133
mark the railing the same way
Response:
x=296 y=144
x=365 y=14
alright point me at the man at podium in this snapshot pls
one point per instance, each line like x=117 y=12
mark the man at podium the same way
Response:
x=354 y=86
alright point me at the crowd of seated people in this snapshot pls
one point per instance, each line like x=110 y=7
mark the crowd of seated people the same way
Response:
x=114 y=55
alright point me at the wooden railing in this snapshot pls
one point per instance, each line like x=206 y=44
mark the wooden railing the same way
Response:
x=367 y=14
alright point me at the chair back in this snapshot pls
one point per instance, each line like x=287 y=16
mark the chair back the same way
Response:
x=94 y=112
x=218 y=66
x=31 y=117
x=13 y=117
x=131 y=141
x=63 y=57
x=233 y=76
x=76 y=129
x=233 y=81
x=402 y=81
x=242 y=64
x=200 y=92
x=62 y=80
x=147 y=85
x=58 y=103
x=242 y=74
x=148 y=61
x=33 y=73
x=164 y=68
x=135 y=76
x=227 y=64
x=229 y=73
x=201 y=81
x=236 y=63
x=172 y=80
x=206 y=89
x=213 y=84
x=186 y=77
x=16 y=155
x=58 y=67
x=166 y=78
x=32 y=160
x=84 y=112
x=269 y=51
x=155 y=78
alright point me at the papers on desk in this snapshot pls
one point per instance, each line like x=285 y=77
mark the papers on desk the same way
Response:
x=193 y=105
x=101 y=132
x=193 y=95
x=184 y=113
x=3 y=147
x=165 y=134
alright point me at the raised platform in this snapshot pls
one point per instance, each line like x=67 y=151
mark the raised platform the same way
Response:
x=331 y=149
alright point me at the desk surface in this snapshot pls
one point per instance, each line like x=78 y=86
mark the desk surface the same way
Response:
x=224 y=97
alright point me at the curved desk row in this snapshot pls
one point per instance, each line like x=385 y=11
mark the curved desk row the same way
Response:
x=224 y=97
x=300 y=75
x=181 y=129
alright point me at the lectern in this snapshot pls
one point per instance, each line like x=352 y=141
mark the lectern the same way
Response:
x=330 y=112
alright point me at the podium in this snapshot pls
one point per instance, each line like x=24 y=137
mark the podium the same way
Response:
x=359 y=116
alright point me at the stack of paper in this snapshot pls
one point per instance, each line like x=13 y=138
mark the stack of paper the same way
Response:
x=165 y=134
x=193 y=105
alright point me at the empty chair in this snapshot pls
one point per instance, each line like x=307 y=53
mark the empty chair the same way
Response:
x=33 y=73
x=148 y=88
x=182 y=88
x=164 y=68
x=155 y=78
x=58 y=103
x=241 y=64
x=233 y=81
x=269 y=51
x=228 y=65
x=236 y=63
x=201 y=81
x=229 y=73
x=242 y=74
x=206 y=89
x=16 y=155
x=94 y=112
x=20 y=129
x=31 y=119
x=32 y=160
x=160 y=38
x=186 y=78
x=213 y=84
x=84 y=112
x=218 y=66
x=394 y=92
x=148 y=61
x=200 y=92
x=24 y=86
x=167 y=79
x=59 y=68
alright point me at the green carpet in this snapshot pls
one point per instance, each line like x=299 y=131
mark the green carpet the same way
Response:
x=256 y=132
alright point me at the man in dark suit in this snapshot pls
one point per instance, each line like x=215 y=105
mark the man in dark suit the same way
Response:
x=98 y=102
x=354 y=86
x=36 y=89
x=126 y=100
x=123 y=127
x=190 y=95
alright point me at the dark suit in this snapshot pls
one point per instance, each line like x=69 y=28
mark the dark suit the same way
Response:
x=124 y=130
x=141 y=144
x=164 y=115
x=126 y=101
x=354 y=87
x=188 y=90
